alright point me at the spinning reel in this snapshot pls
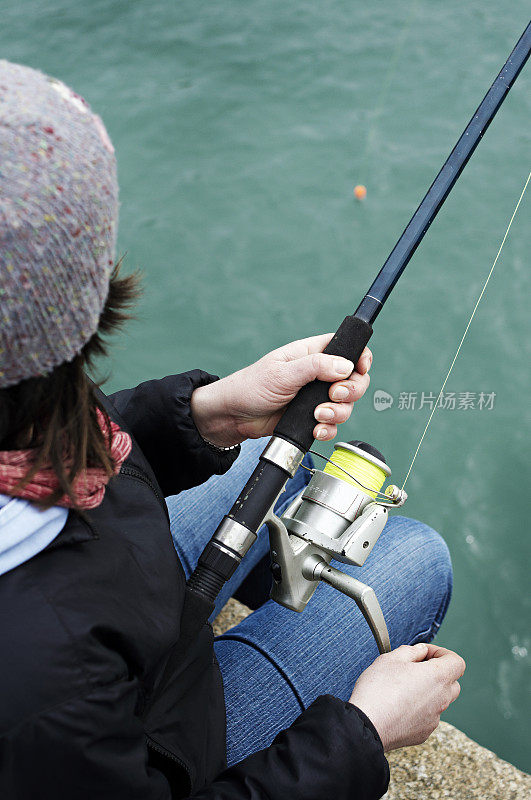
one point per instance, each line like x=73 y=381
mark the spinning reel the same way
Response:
x=339 y=515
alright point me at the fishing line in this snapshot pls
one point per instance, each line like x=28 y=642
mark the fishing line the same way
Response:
x=436 y=405
x=360 y=470
x=372 y=490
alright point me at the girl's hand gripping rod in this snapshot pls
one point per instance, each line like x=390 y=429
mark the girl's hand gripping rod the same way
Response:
x=293 y=435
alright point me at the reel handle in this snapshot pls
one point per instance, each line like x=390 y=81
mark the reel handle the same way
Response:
x=297 y=422
x=363 y=595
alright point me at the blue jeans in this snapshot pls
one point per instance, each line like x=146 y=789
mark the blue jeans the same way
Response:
x=276 y=662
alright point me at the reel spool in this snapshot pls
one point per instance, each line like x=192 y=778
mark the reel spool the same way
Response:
x=340 y=515
x=359 y=464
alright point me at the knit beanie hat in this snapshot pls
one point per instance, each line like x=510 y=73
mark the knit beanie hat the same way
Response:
x=58 y=219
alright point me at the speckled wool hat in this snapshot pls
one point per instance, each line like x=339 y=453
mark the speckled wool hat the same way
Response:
x=58 y=219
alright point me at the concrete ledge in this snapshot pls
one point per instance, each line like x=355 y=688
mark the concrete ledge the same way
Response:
x=449 y=765
x=230 y=615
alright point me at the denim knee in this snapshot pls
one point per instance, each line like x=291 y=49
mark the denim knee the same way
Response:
x=426 y=551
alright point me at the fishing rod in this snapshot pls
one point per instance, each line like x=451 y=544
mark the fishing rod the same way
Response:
x=342 y=511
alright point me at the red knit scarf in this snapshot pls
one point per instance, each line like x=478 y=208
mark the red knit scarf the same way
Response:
x=89 y=486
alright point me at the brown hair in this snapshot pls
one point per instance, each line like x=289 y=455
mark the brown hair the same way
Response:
x=56 y=415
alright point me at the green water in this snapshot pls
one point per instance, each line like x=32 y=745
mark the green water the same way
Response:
x=241 y=129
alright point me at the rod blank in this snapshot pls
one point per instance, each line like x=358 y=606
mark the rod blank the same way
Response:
x=441 y=187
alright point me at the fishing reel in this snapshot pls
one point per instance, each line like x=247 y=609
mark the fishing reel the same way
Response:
x=339 y=515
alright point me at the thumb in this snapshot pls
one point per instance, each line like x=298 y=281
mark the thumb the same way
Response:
x=320 y=366
x=412 y=653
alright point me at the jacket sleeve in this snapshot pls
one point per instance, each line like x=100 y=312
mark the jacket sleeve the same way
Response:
x=159 y=417
x=332 y=750
x=84 y=748
x=94 y=747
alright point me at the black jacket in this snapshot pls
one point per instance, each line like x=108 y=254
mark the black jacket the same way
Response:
x=88 y=710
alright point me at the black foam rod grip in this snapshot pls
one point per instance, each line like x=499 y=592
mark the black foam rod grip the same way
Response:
x=298 y=421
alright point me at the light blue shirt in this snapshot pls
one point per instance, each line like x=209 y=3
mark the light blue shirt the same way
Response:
x=25 y=530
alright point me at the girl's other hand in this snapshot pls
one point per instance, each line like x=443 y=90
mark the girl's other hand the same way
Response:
x=405 y=692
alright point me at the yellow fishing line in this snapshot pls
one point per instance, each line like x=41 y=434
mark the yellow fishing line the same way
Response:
x=371 y=476
x=473 y=314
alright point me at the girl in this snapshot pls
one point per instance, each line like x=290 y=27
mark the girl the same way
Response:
x=98 y=697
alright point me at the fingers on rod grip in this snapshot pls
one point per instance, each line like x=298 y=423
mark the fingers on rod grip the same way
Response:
x=298 y=421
